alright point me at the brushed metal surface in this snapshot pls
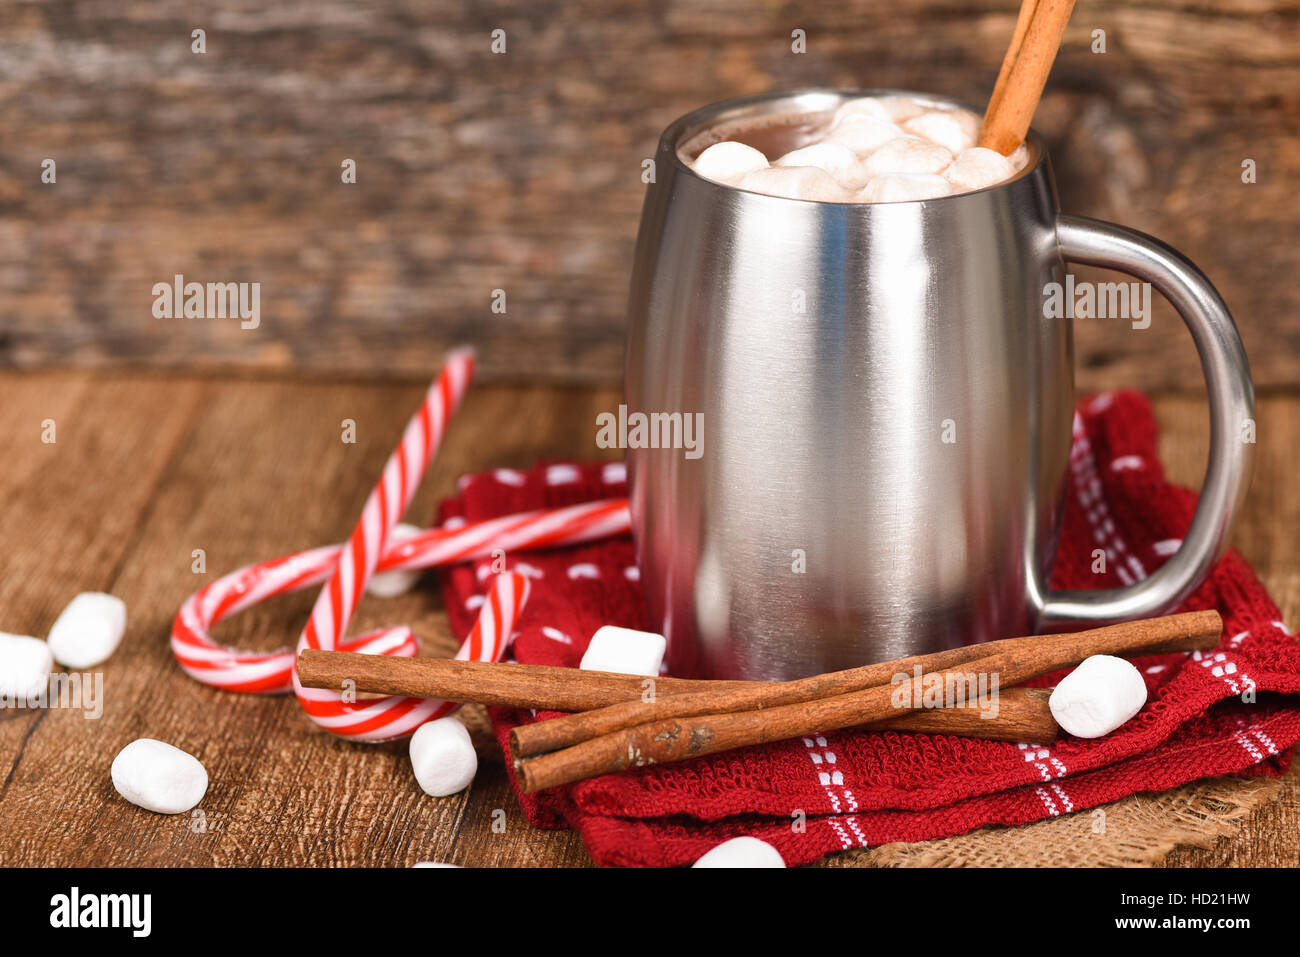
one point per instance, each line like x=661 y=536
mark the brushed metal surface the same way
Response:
x=826 y=429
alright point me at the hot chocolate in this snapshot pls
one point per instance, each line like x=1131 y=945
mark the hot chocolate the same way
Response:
x=879 y=149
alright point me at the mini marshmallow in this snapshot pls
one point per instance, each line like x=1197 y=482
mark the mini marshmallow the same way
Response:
x=443 y=757
x=908 y=154
x=434 y=864
x=742 y=852
x=954 y=130
x=25 y=664
x=863 y=106
x=1020 y=158
x=624 y=651
x=862 y=134
x=796 y=182
x=977 y=167
x=835 y=158
x=895 y=109
x=870 y=138
x=88 y=630
x=400 y=580
x=1098 y=696
x=902 y=108
x=901 y=187
x=158 y=777
x=728 y=162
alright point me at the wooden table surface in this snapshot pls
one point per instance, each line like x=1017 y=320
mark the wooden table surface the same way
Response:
x=145 y=469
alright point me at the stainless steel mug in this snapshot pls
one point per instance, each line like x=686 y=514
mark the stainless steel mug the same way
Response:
x=882 y=472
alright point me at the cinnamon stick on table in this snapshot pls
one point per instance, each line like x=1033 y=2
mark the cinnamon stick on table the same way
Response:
x=1134 y=638
x=1022 y=717
x=542 y=687
x=1017 y=660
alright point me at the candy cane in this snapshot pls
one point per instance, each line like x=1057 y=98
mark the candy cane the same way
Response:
x=271 y=672
x=382 y=719
x=347 y=568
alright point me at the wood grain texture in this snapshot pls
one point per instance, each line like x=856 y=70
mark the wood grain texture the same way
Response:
x=147 y=468
x=521 y=171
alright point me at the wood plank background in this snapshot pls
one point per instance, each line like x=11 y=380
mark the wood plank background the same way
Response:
x=522 y=171
x=147 y=468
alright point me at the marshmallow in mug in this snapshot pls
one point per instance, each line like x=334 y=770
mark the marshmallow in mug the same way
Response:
x=862 y=134
x=978 y=167
x=954 y=130
x=900 y=187
x=840 y=162
x=871 y=144
x=796 y=182
x=728 y=162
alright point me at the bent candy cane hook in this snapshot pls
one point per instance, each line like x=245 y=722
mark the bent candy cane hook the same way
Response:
x=391 y=717
x=348 y=568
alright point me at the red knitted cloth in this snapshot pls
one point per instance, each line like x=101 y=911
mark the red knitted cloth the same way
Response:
x=854 y=788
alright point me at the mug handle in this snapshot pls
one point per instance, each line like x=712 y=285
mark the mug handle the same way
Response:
x=1232 y=404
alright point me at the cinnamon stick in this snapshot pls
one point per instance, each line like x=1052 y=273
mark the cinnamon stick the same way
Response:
x=547 y=688
x=542 y=687
x=1023 y=19
x=678 y=739
x=1022 y=714
x=1010 y=111
x=1133 y=638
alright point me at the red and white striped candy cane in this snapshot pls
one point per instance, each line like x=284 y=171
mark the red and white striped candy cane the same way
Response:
x=271 y=672
x=391 y=717
x=349 y=567
x=382 y=719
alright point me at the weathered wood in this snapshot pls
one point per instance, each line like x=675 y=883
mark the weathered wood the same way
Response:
x=522 y=171
x=147 y=468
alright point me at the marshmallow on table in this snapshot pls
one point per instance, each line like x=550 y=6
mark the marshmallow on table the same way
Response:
x=742 y=852
x=835 y=158
x=1098 y=696
x=727 y=162
x=400 y=580
x=908 y=154
x=624 y=651
x=159 y=777
x=862 y=133
x=954 y=130
x=25 y=664
x=443 y=757
x=796 y=182
x=88 y=630
x=433 y=864
x=901 y=187
x=977 y=167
